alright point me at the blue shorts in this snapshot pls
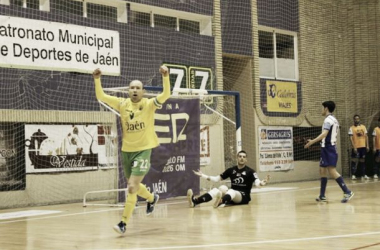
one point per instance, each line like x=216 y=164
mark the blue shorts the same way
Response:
x=329 y=156
x=361 y=153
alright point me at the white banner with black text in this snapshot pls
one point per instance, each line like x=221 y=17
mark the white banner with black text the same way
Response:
x=35 y=44
x=275 y=148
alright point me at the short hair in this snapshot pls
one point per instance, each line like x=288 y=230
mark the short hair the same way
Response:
x=241 y=151
x=142 y=84
x=330 y=105
x=356 y=116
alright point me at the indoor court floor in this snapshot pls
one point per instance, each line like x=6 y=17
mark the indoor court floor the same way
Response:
x=280 y=216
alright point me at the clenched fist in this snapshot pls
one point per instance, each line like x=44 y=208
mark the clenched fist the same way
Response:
x=97 y=73
x=164 y=70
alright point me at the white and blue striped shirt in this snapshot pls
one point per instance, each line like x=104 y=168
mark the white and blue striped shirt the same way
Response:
x=332 y=125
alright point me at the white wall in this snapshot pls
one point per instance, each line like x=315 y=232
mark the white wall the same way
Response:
x=216 y=166
x=45 y=189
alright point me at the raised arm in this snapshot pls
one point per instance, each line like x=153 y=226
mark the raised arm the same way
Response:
x=317 y=139
x=161 y=98
x=100 y=95
x=262 y=182
x=209 y=178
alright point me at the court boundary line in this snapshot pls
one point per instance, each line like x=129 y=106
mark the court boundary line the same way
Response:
x=312 y=188
x=250 y=242
x=171 y=203
x=82 y=213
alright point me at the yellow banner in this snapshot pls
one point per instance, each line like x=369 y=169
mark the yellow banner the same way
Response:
x=282 y=96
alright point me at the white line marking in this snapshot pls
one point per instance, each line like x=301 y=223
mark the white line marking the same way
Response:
x=82 y=213
x=270 y=189
x=252 y=242
x=173 y=203
x=26 y=213
x=312 y=188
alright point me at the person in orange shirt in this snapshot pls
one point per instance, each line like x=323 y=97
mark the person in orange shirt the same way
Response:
x=360 y=147
x=376 y=149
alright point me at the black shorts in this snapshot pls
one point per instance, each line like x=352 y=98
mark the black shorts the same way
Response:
x=377 y=154
x=361 y=152
x=245 y=198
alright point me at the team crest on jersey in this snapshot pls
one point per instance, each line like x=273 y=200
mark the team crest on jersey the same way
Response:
x=131 y=114
x=360 y=132
x=239 y=180
x=234 y=172
x=238 y=174
x=244 y=173
x=134 y=164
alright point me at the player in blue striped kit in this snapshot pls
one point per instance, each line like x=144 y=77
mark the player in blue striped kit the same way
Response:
x=329 y=154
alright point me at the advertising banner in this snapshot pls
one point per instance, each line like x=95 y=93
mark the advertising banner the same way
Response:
x=57 y=148
x=205 y=146
x=35 y=44
x=173 y=162
x=282 y=96
x=275 y=148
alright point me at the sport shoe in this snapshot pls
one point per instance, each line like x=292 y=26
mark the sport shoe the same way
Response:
x=120 y=228
x=321 y=199
x=218 y=200
x=190 y=198
x=375 y=176
x=366 y=177
x=353 y=177
x=347 y=197
x=150 y=205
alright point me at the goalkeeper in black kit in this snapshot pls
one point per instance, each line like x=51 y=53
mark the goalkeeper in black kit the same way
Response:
x=242 y=179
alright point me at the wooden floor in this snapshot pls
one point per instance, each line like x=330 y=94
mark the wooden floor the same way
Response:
x=280 y=216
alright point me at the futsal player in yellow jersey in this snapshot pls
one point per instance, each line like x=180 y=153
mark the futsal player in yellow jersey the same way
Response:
x=360 y=147
x=376 y=148
x=139 y=138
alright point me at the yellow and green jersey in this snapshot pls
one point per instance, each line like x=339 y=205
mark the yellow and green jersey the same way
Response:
x=137 y=119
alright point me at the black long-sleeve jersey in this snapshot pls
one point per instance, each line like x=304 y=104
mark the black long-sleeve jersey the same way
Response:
x=241 y=179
